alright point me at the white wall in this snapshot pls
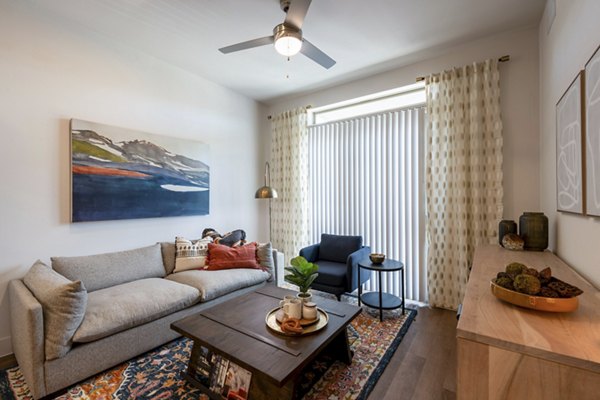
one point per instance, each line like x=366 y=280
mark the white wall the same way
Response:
x=519 y=105
x=573 y=38
x=50 y=75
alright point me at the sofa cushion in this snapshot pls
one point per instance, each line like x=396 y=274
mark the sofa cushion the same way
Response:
x=109 y=269
x=213 y=284
x=264 y=255
x=63 y=303
x=125 y=306
x=190 y=254
x=332 y=273
x=168 y=255
x=337 y=248
x=225 y=257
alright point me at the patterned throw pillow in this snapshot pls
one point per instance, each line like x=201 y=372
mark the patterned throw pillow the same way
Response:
x=225 y=257
x=190 y=254
x=231 y=239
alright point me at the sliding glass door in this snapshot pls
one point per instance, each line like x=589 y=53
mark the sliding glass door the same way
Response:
x=366 y=178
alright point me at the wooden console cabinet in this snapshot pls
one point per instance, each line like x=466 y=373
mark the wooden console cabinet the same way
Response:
x=509 y=352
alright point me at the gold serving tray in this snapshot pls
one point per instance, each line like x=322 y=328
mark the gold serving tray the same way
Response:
x=312 y=327
x=535 y=302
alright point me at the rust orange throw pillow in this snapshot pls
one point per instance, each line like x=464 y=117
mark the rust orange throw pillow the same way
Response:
x=225 y=257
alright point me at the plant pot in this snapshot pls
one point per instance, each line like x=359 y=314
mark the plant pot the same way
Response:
x=305 y=297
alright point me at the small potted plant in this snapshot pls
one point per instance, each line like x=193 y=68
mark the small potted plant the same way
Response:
x=302 y=274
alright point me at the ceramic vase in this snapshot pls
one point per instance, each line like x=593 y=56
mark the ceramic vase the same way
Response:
x=533 y=229
x=506 y=226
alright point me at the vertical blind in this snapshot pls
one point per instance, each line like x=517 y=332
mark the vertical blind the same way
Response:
x=366 y=179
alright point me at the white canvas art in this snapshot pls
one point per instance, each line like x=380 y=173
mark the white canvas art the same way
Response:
x=592 y=108
x=569 y=156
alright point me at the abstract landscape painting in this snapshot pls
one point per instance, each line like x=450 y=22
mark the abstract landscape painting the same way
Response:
x=118 y=173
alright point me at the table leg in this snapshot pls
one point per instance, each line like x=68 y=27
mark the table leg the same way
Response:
x=403 y=296
x=380 y=298
x=341 y=348
x=359 y=284
x=263 y=389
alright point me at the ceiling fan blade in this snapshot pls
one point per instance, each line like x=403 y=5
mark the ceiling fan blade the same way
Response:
x=296 y=13
x=247 y=45
x=311 y=51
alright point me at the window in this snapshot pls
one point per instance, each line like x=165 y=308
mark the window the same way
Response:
x=406 y=96
x=365 y=179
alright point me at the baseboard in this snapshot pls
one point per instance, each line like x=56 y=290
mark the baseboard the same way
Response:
x=5 y=346
x=8 y=361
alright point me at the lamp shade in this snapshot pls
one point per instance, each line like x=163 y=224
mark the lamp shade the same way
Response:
x=265 y=192
x=288 y=45
x=287 y=39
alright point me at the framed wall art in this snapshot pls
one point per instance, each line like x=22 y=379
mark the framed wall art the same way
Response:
x=570 y=180
x=592 y=130
x=120 y=173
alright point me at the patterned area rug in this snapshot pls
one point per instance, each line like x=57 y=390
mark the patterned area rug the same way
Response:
x=158 y=373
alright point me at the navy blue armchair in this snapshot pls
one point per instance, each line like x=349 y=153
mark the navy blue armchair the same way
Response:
x=338 y=257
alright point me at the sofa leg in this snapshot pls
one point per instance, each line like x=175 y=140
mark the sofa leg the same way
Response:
x=339 y=297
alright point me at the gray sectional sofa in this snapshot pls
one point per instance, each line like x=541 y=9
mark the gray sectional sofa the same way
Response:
x=131 y=298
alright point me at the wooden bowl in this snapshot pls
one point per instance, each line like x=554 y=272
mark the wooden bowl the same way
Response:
x=535 y=302
x=377 y=258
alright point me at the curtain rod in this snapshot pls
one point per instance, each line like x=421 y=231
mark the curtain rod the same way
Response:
x=501 y=59
x=307 y=107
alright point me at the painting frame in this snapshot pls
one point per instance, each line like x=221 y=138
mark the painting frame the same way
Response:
x=592 y=133
x=120 y=174
x=570 y=148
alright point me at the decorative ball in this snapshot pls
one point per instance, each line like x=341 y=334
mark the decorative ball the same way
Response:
x=377 y=258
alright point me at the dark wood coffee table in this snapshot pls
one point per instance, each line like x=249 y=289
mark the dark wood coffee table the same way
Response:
x=236 y=330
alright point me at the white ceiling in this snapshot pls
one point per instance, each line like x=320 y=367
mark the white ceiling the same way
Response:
x=364 y=37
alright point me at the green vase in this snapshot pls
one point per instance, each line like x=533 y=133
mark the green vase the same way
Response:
x=533 y=229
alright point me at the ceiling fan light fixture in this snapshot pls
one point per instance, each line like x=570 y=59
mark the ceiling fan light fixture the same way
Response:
x=288 y=40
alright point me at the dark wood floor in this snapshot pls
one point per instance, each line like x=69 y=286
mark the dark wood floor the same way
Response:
x=424 y=365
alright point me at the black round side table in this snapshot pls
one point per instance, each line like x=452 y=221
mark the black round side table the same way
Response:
x=381 y=299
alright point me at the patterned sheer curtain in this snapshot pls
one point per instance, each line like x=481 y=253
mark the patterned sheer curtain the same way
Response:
x=463 y=174
x=289 y=163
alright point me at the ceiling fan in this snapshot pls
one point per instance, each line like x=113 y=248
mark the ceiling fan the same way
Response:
x=287 y=37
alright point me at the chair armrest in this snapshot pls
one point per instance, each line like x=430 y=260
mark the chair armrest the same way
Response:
x=27 y=335
x=311 y=253
x=353 y=260
x=279 y=264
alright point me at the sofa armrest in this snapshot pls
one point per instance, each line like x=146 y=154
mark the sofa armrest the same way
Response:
x=27 y=335
x=311 y=253
x=353 y=260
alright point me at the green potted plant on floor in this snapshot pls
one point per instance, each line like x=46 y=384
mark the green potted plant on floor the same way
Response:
x=302 y=274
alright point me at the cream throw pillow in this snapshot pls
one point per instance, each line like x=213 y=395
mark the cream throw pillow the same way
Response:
x=63 y=304
x=190 y=254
